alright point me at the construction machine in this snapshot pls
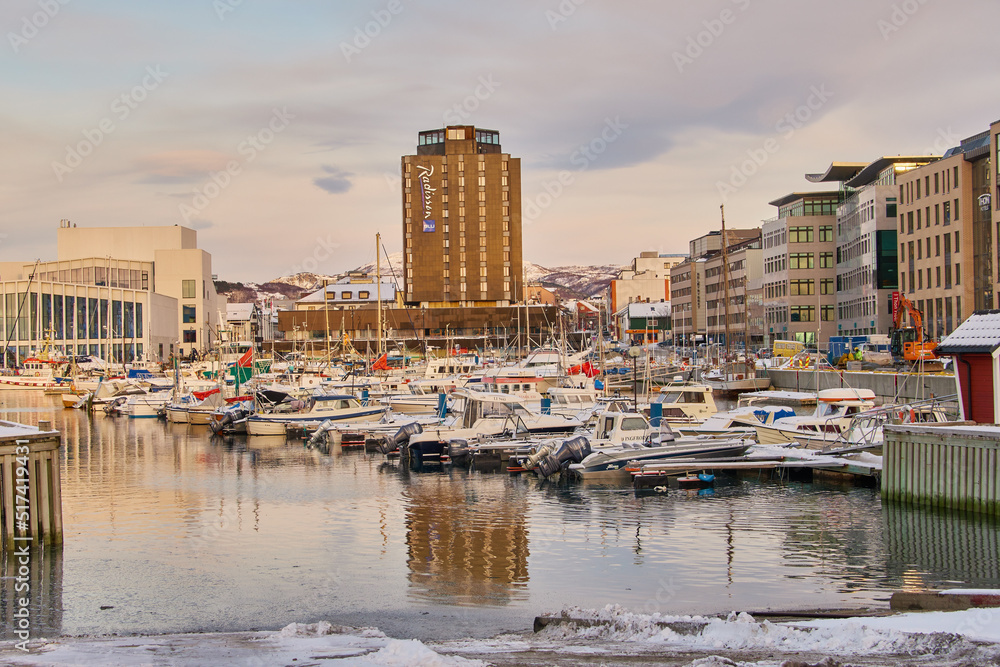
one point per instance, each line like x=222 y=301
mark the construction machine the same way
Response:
x=910 y=343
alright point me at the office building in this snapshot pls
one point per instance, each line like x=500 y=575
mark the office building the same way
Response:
x=799 y=248
x=866 y=253
x=946 y=236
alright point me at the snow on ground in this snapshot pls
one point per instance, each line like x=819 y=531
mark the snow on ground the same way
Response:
x=964 y=637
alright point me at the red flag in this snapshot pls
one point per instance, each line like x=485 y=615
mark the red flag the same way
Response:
x=246 y=360
x=382 y=364
x=589 y=370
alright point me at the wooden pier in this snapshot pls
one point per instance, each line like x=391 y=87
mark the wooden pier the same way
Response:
x=956 y=467
x=30 y=485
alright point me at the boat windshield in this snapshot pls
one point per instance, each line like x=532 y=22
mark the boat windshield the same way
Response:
x=680 y=397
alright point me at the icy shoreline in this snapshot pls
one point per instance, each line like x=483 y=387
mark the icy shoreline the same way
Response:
x=962 y=637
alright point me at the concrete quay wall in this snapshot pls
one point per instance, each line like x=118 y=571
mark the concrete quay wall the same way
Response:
x=888 y=387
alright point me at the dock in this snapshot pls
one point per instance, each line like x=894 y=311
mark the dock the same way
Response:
x=798 y=463
x=30 y=485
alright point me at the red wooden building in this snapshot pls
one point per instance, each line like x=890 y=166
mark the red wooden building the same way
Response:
x=975 y=348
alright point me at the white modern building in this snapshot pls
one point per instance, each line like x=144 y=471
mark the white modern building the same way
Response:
x=120 y=293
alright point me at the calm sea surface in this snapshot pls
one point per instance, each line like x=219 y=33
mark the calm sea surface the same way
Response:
x=169 y=530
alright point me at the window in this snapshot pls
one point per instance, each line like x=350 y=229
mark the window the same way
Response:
x=826 y=260
x=800 y=234
x=958 y=274
x=800 y=287
x=826 y=286
x=802 y=313
x=190 y=315
x=826 y=232
x=947 y=212
x=190 y=336
x=189 y=289
x=364 y=295
x=345 y=296
x=800 y=260
x=827 y=313
x=937 y=271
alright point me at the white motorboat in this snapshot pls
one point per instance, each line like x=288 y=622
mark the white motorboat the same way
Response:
x=834 y=410
x=334 y=408
x=483 y=414
x=685 y=403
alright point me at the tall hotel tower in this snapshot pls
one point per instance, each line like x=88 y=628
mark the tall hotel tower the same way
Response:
x=461 y=220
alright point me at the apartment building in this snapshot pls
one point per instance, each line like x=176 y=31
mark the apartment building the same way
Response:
x=697 y=294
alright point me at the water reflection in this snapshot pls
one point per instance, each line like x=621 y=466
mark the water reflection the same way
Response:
x=941 y=546
x=42 y=587
x=176 y=530
x=466 y=538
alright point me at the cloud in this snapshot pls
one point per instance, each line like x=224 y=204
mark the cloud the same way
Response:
x=338 y=182
x=184 y=166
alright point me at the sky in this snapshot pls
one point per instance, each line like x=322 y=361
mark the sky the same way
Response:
x=276 y=129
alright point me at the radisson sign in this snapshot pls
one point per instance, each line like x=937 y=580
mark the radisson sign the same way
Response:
x=424 y=175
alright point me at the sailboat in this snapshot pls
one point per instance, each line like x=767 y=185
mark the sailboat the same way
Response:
x=734 y=375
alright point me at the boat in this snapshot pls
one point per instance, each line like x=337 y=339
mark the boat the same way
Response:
x=685 y=403
x=736 y=377
x=617 y=463
x=483 y=414
x=834 y=410
x=44 y=370
x=864 y=432
x=741 y=420
x=335 y=408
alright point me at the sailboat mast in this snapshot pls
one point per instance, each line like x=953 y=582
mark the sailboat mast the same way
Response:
x=378 y=291
x=725 y=274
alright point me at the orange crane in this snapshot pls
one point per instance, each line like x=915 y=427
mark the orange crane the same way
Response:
x=910 y=342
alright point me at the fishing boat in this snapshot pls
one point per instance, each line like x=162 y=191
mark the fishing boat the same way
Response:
x=44 y=370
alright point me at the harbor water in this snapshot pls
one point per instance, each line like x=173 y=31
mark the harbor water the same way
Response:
x=169 y=529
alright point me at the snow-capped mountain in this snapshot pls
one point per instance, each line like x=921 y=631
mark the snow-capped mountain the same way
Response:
x=571 y=282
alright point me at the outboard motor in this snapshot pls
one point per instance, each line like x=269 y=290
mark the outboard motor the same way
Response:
x=572 y=450
x=458 y=449
x=403 y=435
x=320 y=434
x=539 y=454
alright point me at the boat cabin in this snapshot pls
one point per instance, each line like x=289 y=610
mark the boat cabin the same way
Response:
x=686 y=402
